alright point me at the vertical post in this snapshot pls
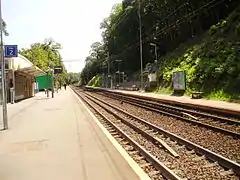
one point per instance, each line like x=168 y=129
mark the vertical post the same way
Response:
x=111 y=82
x=156 y=51
x=114 y=80
x=52 y=73
x=119 y=78
x=47 y=91
x=4 y=103
x=123 y=77
x=140 y=40
x=13 y=79
x=57 y=84
x=5 y=83
x=118 y=72
x=52 y=83
x=108 y=74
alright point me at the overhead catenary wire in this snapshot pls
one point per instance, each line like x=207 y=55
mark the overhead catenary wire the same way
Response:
x=194 y=13
x=161 y=20
x=129 y=44
x=177 y=22
x=166 y=28
x=122 y=18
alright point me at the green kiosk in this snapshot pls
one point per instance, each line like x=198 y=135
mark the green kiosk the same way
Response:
x=43 y=82
x=46 y=82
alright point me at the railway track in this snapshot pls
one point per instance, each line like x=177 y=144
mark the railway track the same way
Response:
x=148 y=162
x=220 y=143
x=217 y=123
x=170 y=155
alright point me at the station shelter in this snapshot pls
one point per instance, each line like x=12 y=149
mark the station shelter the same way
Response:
x=20 y=77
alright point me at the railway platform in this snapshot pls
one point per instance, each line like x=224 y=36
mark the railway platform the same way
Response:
x=58 y=138
x=218 y=105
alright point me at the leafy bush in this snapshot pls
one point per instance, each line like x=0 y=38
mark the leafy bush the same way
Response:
x=213 y=66
x=238 y=30
x=96 y=81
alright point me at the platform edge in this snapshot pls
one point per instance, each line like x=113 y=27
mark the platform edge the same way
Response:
x=135 y=167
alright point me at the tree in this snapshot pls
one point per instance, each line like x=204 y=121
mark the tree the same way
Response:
x=167 y=23
x=46 y=55
x=73 y=78
x=95 y=63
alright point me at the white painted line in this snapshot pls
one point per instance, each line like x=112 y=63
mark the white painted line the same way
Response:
x=136 y=168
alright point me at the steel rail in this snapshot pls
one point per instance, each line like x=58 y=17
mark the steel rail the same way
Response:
x=203 y=108
x=153 y=139
x=225 y=162
x=161 y=105
x=176 y=115
x=165 y=171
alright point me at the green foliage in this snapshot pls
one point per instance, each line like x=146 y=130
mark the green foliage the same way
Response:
x=219 y=95
x=212 y=66
x=96 y=81
x=213 y=30
x=4 y=28
x=219 y=27
x=238 y=30
x=95 y=63
x=163 y=90
x=46 y=55
x=171 y=25
x=74 y=78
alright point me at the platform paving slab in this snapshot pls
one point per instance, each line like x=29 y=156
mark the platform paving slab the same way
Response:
x=57 y=139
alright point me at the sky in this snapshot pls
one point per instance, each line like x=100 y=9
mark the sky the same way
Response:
x=73 y=23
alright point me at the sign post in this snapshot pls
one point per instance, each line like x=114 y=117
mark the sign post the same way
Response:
x=3 y=79
x=10 y=51
x=58 y=70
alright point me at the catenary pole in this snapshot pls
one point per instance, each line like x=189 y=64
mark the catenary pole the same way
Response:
x=3 y=86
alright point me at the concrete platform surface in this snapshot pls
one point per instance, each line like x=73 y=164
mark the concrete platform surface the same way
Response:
x=57 y=139
x=187 y=100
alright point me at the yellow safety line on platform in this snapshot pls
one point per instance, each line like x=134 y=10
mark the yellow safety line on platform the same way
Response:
x=136 y=168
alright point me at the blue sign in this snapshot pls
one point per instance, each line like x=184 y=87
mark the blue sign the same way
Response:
x=154 y=69
x=11 y=51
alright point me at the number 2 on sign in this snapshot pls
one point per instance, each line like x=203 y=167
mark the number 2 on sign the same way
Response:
x=11 y=52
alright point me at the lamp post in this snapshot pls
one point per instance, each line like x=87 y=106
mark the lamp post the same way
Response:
x=118 y=60
x=140 y=41
x=123 y=74
x=108 y=70
x=119 y=76
x=118 y=69
x=155 y=47
x=52 y=74
x=117 y=72
x=114 y=76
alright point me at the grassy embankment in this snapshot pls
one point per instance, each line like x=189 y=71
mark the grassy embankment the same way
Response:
x=212 y=62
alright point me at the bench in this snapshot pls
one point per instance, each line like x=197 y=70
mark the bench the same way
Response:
x=196 y=95
x=135 y=88
x=117 y=86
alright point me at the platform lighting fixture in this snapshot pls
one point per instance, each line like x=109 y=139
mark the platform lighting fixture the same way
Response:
x=155 y=47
